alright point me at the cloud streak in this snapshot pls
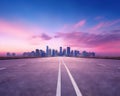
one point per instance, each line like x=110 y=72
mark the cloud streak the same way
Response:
x=104 y=24
x=80 y=24
x=101 y=42
x=43 y=36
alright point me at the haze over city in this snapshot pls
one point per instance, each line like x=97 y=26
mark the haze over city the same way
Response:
x=28 y=25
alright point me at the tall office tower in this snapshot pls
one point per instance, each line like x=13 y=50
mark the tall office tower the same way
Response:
x=42 y=53
x=32 y=54
x=47 y=50
x=60 y=53
x=56 y=52
x=53 y=52
x=84 y=53
x=71 y=53
x=37 y=53
x=64 y=52
x=78 y=54
x=75 y=53
x=68 y=51
x=93 y=54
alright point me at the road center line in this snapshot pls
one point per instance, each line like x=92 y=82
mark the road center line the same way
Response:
x=3 y=68
x=77 y=90
x=58 y=91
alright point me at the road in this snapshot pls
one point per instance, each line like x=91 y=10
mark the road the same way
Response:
x=60 y=76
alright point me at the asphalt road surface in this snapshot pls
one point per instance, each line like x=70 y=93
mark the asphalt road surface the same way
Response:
x=60 y=76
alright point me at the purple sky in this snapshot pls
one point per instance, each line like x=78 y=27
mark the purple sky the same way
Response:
x=80 y=24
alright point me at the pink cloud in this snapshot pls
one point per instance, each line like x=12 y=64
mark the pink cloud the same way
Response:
x=109 y=48
x=23 y=36
x=34 y=36
x=39 y=39
x=73 y=27
x=95 y=42
x=110 y=23
x=98 y=26
x=46 y=37
x=11 y=29
x=80 y=24
x=43 y=36
x=17 y=29
x=104 y=25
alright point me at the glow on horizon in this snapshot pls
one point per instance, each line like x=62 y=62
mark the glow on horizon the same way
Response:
x=17 y=39
x=32 y=25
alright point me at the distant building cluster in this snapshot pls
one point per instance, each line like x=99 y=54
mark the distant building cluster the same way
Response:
x=61 y=52
x=11 y=54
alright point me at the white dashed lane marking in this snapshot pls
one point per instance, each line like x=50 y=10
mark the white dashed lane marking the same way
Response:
x=3 y=68
x=77 y=90
x=58 y=90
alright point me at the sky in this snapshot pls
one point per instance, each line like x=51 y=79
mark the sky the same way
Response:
x=91 y=25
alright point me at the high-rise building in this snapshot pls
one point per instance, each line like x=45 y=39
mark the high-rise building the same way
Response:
x=71 y=53
x=64 y=52
x=47 y=50
x=75 y=53
x=93 y=54
x=84 y=54
x=60 y=53
x=56 y=53
x=53 y=52
x=68 y=51
x=37 y=53
x=43 y=53
x=32 y=54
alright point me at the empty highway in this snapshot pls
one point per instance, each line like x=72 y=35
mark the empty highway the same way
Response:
x=60 y=76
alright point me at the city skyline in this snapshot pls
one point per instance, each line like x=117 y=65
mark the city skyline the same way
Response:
x=83 y=25
x=68 y=51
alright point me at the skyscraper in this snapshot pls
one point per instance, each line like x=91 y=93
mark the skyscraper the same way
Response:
x=47 y=50
x=53 y=52
x=71 y=53
x=60 y=51
x=37 y=53
x=64 y=52
x=68 y=51
x=32 y=54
